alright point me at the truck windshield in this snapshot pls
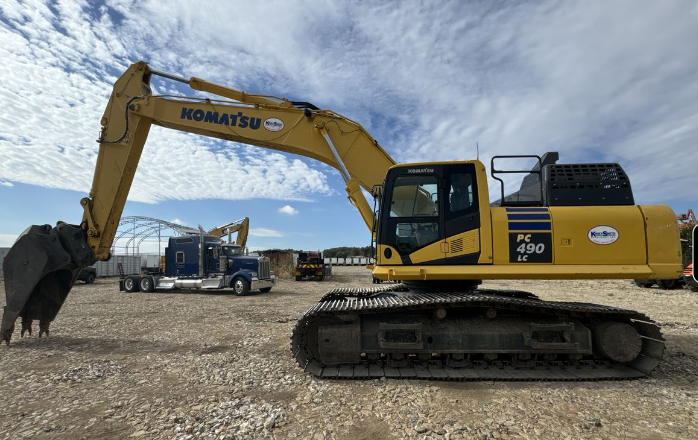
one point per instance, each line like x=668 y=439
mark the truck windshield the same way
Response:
x=230 y=251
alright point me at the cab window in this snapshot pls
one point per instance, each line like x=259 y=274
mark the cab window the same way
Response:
x=415 y=196
x=231 y=251
x=414 y=212
x=460 y=194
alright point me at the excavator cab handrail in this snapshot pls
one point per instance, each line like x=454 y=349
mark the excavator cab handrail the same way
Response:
x=535 y=170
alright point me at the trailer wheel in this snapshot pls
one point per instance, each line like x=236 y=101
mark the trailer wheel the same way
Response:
x=146 y=284
x=265 y=289
x=130 y=285
x=90 y=278
x=240 y=286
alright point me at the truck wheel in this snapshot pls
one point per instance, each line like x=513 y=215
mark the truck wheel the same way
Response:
x=321 y=277
x=265 y=289
x=298 y=278
x=240 y=286
x=90 y=278
x=146 y=284
x=130 y=285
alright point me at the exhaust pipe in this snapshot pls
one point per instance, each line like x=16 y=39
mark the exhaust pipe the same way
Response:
x=40 y=269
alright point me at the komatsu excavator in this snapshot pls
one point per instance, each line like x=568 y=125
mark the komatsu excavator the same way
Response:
x=433 y=229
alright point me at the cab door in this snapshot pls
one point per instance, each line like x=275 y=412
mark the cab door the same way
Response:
x=461 y=214
x=212 y=258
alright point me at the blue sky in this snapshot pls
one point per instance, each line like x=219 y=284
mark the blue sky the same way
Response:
x=597 y=81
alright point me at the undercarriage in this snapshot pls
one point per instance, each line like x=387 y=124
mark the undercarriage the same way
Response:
x=478 y=334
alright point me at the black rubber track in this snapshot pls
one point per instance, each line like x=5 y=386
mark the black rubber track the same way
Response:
x=396 y=298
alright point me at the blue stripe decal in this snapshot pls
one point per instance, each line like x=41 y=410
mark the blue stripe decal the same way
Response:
x=529 y=226
x=527 y=209
x=528 y=216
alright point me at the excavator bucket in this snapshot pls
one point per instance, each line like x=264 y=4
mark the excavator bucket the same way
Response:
x=40 y=270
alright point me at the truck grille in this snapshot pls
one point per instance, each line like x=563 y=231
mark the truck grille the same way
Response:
x=264 y=271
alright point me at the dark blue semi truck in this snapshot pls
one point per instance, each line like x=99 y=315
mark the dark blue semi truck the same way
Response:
x=205 y=262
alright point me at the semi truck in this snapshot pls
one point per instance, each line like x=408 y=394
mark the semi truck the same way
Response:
x=205 y=262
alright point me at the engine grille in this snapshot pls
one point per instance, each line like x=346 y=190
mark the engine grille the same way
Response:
x=264 y=270
x=587 y=185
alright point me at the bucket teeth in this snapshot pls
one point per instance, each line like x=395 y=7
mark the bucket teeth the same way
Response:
x=43 y=329
x=7 y=334
x=26 y=327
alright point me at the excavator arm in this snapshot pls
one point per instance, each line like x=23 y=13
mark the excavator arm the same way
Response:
x=42 y=266
x=242 y=227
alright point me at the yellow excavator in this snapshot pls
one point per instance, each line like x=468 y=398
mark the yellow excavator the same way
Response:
x=242 y=227
x=433 y=229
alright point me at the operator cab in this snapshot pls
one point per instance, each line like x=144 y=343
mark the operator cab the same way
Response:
x=425 y=204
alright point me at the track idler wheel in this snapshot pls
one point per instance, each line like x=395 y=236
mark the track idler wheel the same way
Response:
x=40 y=269
x=617 y=341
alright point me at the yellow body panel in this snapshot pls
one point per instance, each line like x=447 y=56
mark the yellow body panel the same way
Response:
x=382 y=260
x=428 y=253
x=463 y=244
x=663 y=241
x=572 y=225
x=646 y=246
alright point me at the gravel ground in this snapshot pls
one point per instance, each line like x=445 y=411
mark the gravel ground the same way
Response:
x=194 y=365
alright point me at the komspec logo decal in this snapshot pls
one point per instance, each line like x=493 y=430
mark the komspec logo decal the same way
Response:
x=274 y=124
x=230 y=119
x=603 y=235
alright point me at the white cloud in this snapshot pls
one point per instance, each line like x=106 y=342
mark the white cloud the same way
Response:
x=265 y=232
x=64 y=61
x=288 y=209
x=8 y=184
x=177 y=221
